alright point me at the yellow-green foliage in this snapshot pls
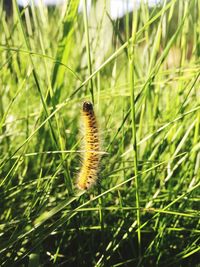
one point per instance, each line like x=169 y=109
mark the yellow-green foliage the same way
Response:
x=142 y=74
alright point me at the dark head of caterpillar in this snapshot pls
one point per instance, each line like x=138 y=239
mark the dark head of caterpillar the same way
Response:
x=87 y=106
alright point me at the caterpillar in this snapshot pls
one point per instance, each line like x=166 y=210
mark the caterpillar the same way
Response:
x=87 y=176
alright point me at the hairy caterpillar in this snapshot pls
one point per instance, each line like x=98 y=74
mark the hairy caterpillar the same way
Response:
x=87 y=176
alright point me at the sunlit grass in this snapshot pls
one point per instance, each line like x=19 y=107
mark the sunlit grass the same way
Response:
x=143 y=77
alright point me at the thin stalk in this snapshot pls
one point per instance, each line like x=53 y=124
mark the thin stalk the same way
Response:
x=88 y=47
x=133 y=122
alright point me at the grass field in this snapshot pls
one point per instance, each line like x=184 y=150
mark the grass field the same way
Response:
x=142 y=73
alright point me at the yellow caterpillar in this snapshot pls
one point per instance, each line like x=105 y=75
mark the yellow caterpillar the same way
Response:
x=87 y=176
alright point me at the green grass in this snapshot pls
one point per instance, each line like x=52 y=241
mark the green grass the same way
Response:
x=142 y=75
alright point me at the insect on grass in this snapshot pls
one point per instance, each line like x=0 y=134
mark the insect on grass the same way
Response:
x=87 y=176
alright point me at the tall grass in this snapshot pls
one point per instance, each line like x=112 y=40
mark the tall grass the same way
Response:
x=142 y=73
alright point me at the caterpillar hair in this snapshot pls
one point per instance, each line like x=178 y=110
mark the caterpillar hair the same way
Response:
x=87 y=176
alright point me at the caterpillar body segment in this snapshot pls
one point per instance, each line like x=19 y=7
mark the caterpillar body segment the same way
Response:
x=87 y=176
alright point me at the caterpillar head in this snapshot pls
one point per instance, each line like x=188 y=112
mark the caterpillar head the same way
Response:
x=87 y=106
